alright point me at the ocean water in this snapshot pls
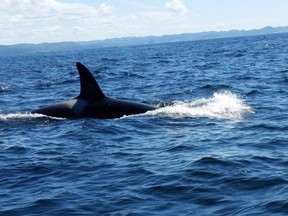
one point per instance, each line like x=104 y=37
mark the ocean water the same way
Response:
x=218 y=145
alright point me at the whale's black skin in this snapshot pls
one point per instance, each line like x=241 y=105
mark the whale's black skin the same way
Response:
x=92 y=102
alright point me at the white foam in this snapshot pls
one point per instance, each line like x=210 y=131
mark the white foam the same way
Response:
x=15 y=116
x=222 y=105
x=4 y=87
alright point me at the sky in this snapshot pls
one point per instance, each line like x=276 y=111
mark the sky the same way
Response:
x=38 y=21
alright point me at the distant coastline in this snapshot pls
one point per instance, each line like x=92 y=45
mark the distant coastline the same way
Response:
x=22 y=49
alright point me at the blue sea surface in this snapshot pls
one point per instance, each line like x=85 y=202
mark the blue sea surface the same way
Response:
x=218 y=144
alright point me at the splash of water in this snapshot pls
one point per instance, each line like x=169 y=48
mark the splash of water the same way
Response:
x=222 y=105
x=16 y=116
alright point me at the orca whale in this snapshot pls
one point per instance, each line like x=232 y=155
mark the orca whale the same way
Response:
x=92 y=102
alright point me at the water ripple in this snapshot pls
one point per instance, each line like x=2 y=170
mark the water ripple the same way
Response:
x=216 y=146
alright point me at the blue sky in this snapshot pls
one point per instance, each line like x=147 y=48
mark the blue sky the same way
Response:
x=37 y=21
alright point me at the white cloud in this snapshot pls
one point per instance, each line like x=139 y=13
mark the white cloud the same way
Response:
x=45 y=8
x=36 y=21
x=106 y=9
x=176 y=6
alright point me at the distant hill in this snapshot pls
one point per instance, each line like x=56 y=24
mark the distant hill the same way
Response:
x=22 y=49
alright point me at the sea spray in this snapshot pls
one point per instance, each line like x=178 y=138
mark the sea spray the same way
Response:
x=19 y=116
x=222 y=105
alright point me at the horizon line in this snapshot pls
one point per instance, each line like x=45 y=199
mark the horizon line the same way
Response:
x=156 y=36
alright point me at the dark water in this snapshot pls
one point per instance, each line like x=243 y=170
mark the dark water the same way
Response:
x=218 y=145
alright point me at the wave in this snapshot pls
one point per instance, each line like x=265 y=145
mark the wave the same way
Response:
x=222 y=105
x=17 y=116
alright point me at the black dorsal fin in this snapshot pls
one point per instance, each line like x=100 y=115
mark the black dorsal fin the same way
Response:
x=89 y=89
